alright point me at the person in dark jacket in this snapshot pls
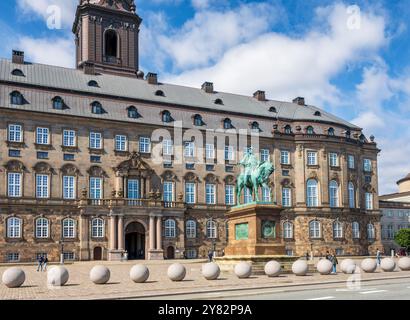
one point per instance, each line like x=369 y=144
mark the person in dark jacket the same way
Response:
x=210 y=256
x=45 y=264
x=40 y=261
x=335 y=263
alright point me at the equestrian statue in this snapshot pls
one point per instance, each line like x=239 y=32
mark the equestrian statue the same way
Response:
x=255 y=174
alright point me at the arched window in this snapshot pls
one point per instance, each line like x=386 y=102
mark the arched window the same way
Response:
x=371 y=234
x=352 y=195
x=219 y=101
x=288 y=129
x=348 y=134
x=160 y=93
x=331 y=132
x=337 y=230
x=69 y=228
x=227 y=124
x=273 y=109
x=97 y=228
x=133 y=112
x=288 y=230
x=334 y=194
x=211 y=231
x=93 y=83
x=58 y=103
x=190 y=229
x=16 y=98
x=166 y=116
x=312 y=193
x=170 y=229
x=111 y=44
x=97 y=108
x=355 y=230
x=198 y=120
x=18 y=73
x=42 y=228
x=362 y=138
x=255 y=126
x=14 y=228
x=309 y=130
x=314 y=229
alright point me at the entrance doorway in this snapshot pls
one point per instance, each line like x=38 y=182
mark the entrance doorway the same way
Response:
x=97 y=253
x=135 y=241
x=170 y=253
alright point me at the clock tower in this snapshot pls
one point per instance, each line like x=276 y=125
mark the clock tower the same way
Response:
x=107 y=36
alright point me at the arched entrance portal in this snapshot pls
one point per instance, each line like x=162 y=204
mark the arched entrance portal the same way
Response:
x=135 y=241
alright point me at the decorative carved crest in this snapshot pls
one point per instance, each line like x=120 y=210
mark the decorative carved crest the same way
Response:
x=43 y=167
x=191 y=177
x=15 y=166
x=96 y=171
x=169 y=176
x=313 y=175
x=335 y=177
x=287 y=183
x=210 y=178
x=135 y=165
x=368 y=188
x=230 y=179
x=70 y=170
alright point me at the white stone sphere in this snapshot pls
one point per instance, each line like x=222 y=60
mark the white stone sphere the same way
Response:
x=348 y=266
x=388 y=265
x=211 y=271
x=273 y=268
x=324 y=267
x=57 y=276
x=243 y=270
x=139 y=273
x=300 y=268
x=404 y=264
x=369 y=265
x=100 y=275
x=13 y=277
x=176 y=272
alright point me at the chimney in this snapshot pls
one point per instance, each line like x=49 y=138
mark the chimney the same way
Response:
x=208 y=87
x=89 y=68
x=300 y=101
x=18 y=57
x=152 y=78
x=259 y=95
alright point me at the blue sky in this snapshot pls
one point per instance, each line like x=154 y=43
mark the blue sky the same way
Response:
x=356 y=68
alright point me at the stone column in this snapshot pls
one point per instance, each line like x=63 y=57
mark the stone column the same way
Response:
x=159 y=233
x=151 y=233
x=84 y=238
x=119 y=185
x=112 y=235
x=120 y=232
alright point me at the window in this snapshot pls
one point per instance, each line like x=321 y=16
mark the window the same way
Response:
x=317 y=114
x=337 y=230
x=133 y=189
x=229 y=153
x=111 y=44
x=288 y=129
x=42 y=186
x=229 y=168
x=289 y=252
x=68 y=157
x=247 y=196
x=13 y=257
x=210 y=151
x=189 y=150
x=97 y=108
x=287 y=230
x=95 y=140
x=69 y=228
x=219 y=101
x=371 y=234
x=120 y=143
x=18 y=73
x=145 y=145
x=42 y=136
x=191 y=254
x=15 y=133
x=211 y=230
x=265 y=155
x=210 y=167
x=356 y=230
x=352 y=195
x=229 y=195
x=190 y=229
x=190 y=166
x=93 y=83
x=285 y=173
x=97 y=228
x=95 y=159
x=227 y=124
x=170 y=229
x=160 y=93
x=285 y=157
x=42 y=228
x=334 y=194
x=166 y=117
x=14 y=228
x=390 y=232
x=286 y=197
x=168 y=191
x=255 y=126
x=367 y=165
x=42 y=155
x=69 y=187
x=133 y=113
x=58 y=103
x=198 y=120
x=312 y=193
x=14 y=153
x=369 y=201
x=14 y=185
x=210 y=193
x=333 y=159
x=314 y=229
x=348 y=134
x=16 y=98
x=69 y=138
x=96 y=188
x=167 y=147
x=266 y=194
x=69 y=256
x=273 y=109
x=312 y=158
x=190 y=192
x=351 y=161
x=309 y=130
x=331 y=132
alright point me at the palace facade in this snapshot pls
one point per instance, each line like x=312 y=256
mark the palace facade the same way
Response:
x=78 y=171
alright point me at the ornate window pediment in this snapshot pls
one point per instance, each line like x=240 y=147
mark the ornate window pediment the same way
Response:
x=368 y=188
x=169 y=176
x=96 y=171
x=15 y=166
x=43 y=167
x=135 y=165
x=287 y=183
x=70 y=170
x=191 y=177
x=211 y=178
x=313 y=175
x=230 y=180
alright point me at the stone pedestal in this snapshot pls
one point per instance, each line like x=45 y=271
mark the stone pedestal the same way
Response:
x=156 y=254
x=115 y=255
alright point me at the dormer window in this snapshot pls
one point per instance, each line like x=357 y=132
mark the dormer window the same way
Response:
x=93 y=83
x=288 y=129
x=348 y=134
x=362 y=138
x=58 y=103
x=331 y=132
x=273 y=109
x=16 y=98
x=198 y=120
x=160 y=93
x=18 y=73
x=133 y=113
x=219 y=101
x=318 y=114
x=309 y=130
x=166 y=116
x=96 y=108
x=227 y=124
x=255 y=126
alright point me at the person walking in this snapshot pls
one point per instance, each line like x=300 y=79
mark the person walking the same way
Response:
x=210 y=256
x=328 y=256
x=45 y=264
x=335 y=263
x=378 y=257
x=40 y=261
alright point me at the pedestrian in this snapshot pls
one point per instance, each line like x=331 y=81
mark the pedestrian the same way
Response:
x=328 y=256
x=378 y=257
x=307 y=256
x=45 y=263
x=126 y=255
x=210 y=256
x=335 y=263
x=40 y=261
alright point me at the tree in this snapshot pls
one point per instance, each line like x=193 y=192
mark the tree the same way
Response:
x=402 y=238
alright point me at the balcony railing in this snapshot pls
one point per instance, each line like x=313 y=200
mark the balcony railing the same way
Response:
x=139 y=203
